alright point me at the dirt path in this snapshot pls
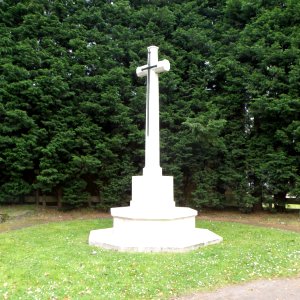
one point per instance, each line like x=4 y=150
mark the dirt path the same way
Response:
x=30 y=215
x=34 y=216
x=287 y=221
x=277 y=289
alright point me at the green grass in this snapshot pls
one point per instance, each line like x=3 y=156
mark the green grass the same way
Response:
x=17 y=210
x=54 y=261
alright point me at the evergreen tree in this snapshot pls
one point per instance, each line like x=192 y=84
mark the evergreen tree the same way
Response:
x=72 y=110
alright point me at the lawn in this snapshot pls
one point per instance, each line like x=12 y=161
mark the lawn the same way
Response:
x=54 y=261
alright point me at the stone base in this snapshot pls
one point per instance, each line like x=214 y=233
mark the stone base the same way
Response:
x=152 y=191
x=110 y=239
x=171 y=230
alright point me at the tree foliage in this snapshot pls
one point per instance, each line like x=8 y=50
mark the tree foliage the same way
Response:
x=72 y=109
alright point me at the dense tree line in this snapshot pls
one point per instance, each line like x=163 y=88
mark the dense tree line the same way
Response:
x=72 y=109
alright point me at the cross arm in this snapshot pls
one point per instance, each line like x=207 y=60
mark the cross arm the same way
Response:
x=162 y=66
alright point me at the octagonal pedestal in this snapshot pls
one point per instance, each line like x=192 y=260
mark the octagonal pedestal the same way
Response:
x=155 y=230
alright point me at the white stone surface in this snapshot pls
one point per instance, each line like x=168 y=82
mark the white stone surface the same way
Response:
x=110 y=238
x=151 y=71
x=160 y=230
x=152 y=222
x=152 y=192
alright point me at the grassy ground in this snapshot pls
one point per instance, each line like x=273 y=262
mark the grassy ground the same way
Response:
x=21 y=216
x=54 y=261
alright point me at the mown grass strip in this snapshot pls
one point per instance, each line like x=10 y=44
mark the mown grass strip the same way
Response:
x=54 y=261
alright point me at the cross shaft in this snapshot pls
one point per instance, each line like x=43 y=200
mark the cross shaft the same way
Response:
x=152 y=147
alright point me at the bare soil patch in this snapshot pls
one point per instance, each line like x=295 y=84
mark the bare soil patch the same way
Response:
x=31 y=215
x=287 y=220
x=24 y=216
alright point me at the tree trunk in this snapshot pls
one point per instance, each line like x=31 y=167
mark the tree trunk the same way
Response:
x=59 y=197
x=44 y=201
x=280 y=201
x=37 y=197
x=188 y=189
x=89 y=201
x=258 y=206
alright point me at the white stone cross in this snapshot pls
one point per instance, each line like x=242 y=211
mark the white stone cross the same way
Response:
x=152 y=147
x=152 y=222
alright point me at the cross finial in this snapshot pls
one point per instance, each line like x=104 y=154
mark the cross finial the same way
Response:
x=153 y=63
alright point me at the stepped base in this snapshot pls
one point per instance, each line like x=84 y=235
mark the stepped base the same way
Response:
x=171 y=230
x=110 y=239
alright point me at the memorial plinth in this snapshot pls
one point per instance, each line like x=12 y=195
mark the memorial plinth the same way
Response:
x=152 y=222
